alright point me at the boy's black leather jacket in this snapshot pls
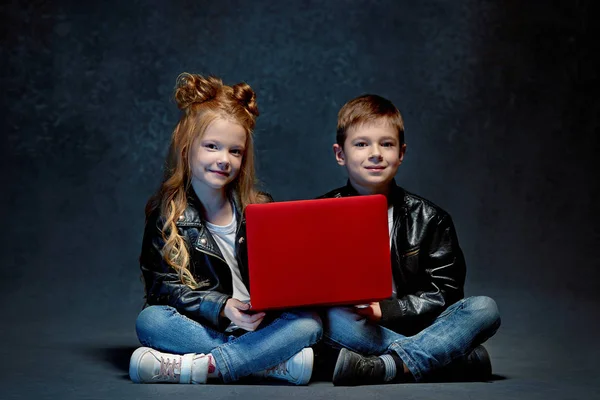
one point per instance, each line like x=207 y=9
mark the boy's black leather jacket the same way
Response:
x=207 y=265
x=428 y=265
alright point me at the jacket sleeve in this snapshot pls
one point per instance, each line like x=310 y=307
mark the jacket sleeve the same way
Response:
x=163 y=286
x=441 y=278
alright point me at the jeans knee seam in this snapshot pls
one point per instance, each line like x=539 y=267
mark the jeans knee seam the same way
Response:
x=446 y=312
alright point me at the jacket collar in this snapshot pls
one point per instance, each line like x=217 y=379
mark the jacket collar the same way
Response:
x=192 y=215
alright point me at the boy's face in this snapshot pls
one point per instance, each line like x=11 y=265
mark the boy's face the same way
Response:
x=371 y=154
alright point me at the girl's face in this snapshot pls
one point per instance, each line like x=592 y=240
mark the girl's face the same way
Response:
x=216 y=157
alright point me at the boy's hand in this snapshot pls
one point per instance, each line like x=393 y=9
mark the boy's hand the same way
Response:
x=238 y=313
x=372 y=311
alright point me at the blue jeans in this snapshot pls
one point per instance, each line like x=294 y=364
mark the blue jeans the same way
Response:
x=236 y=356
x=454 y=333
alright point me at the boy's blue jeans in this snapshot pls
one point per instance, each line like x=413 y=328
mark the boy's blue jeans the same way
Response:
x=236 y=356
x=454 y=333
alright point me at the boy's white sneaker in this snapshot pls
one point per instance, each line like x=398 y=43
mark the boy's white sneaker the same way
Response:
x=296 y=370
x=152 y=366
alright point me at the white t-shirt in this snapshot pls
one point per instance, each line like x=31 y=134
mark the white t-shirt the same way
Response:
x=390 y=225
x=225 y=238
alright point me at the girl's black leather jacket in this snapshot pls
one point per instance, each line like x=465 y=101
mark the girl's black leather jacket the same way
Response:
x=207 y=265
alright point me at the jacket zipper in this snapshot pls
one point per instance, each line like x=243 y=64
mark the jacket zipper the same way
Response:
x=209 y=253
x=411 y=253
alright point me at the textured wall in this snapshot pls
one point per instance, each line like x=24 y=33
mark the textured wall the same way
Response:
x=502 y=127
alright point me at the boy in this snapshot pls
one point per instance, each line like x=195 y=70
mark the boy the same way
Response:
x=426 y=329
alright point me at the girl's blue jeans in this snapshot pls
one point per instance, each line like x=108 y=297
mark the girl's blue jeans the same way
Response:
x=236 y=355
x=454 y=333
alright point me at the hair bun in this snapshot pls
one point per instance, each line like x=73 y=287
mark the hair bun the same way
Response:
x=243 y=93
x=193 y=88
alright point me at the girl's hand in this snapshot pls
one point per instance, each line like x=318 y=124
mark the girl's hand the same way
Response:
x=237 y=313
x=372 y=312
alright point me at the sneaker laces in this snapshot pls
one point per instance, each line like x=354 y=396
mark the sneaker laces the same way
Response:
x=168 y=367
x=367 y=366
x=278 y=370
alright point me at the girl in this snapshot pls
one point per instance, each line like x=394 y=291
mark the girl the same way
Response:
x=196 y=325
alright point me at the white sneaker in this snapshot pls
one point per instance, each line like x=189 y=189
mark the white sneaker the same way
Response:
x=152 y=366
x=296 y=370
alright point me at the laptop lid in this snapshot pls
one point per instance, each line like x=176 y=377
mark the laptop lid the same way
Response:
x=318 y=252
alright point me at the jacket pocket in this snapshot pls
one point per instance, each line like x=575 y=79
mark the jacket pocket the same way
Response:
x=410 y=261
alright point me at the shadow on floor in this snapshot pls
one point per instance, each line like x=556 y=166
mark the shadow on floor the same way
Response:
x=117 y=356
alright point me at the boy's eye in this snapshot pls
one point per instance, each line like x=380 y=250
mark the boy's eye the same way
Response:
x=388 y=144
x=361 y=144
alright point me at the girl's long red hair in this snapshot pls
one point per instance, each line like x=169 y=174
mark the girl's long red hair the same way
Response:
x=202 y=100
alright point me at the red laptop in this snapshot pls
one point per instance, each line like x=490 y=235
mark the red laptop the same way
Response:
x=318 y=252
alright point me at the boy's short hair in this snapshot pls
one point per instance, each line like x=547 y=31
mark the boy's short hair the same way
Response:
x=365 y=109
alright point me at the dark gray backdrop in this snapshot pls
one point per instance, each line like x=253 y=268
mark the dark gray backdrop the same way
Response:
x=501 y=114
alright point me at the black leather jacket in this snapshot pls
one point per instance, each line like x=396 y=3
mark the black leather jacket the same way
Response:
x=428 y=265
x=207 y=265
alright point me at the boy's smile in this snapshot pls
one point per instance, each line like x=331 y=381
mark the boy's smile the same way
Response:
x=371 y=154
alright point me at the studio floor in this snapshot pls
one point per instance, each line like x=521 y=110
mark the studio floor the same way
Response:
x=545 y=349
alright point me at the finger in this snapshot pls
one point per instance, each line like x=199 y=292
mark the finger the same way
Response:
x=256 y=317
x=249 y=327
x=240 y=322
x=251 y=318
x=256 y=324
x=241 y=306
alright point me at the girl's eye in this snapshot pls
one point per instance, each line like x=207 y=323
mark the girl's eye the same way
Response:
x=211 y=146
x=236 y=152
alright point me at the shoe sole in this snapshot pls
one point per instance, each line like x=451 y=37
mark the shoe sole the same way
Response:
x=134 y=364
x=483 y=358
x=339 y=366
x=308 y=358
